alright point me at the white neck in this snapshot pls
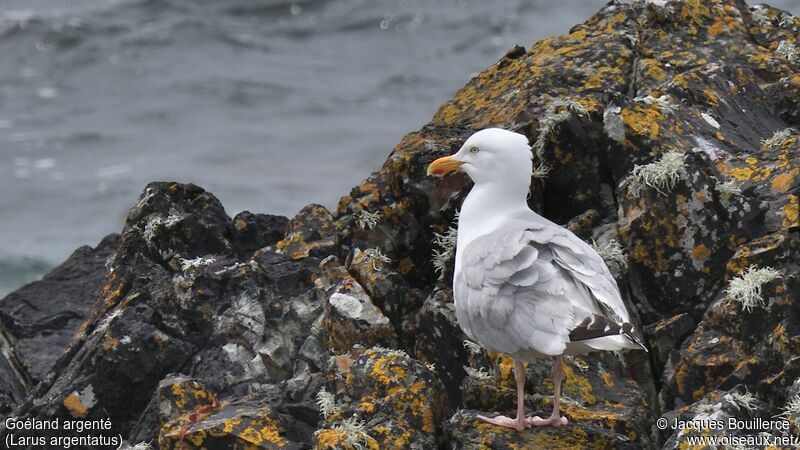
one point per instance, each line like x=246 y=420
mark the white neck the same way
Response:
x=486 y=207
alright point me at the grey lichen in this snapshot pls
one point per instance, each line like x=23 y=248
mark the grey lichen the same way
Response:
x=195 y=263
x=390 y=351
x=612 y=253
x=540 y=171
x=375 y=258
x=788 y=51
x=746 y=400
x=472 y=348
x=444 y=247
x=139 y=446
x=778 y=139
x=759 y=15
x=478 y=374
x=662 y=103
x=354 y=433
x=556 y=112
x=729 y=188
x=327 y=403
x=661 y=175
x=791 y=411
x=746 y=288
x=366 y=220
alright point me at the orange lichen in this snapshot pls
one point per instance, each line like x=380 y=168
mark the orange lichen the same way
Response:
x=790 y=213
x=74 y=406
x=782 y=182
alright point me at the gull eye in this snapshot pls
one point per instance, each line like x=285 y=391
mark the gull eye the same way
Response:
x=474 y=149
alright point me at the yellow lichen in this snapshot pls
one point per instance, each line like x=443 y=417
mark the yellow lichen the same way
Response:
x=790 y=213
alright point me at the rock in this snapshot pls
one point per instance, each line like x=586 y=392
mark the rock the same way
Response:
x=666 y=336
x=191 y=417
x=38 y=321
x=464 y=430
x=177 y=299
x=722 y=407
x=596 y=391
x=254 y=231
x=350 y=316
x=382 y=398
x=668 y=127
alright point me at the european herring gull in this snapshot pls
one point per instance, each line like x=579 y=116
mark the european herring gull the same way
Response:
x=523 y=285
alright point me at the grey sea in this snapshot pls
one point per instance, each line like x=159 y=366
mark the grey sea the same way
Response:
x=269 y=104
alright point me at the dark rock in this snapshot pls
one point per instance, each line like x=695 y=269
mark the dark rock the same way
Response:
x=38 y=321
x=254 y=231
x=666 y=336
x=663 y=127
x=42 y=317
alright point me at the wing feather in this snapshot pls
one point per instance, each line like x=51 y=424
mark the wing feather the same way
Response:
x=524 y=287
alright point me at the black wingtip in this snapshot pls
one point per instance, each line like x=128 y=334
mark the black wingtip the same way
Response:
x=627 y=331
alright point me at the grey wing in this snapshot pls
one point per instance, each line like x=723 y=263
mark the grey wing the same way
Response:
x=512 y=296
x=587 y=267
x=609 y=316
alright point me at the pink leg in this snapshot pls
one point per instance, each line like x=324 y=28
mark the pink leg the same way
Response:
x=520 y=423
x=555 y=419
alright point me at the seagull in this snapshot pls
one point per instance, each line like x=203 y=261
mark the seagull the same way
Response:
x=522 y=285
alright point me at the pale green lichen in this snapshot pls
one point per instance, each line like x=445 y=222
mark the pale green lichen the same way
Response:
x=741 y=401
x=661 y=175
x=390 y=351
x=327 y=403
x=445 y=247
x=746 y=288
x=759 y=15
x=788 y=51
x=778 y=139
x=478 y=374
x=139 y=446
x=195 y=263
x=540 y=171
x=791 y=411
x=355 y=433
x=612 y=253
x=662 y=103
x=556 y=112
x=728 y=188
x=375 y=258
x=472 y=347
x=366 y=220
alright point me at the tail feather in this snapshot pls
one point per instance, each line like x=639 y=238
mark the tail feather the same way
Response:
x=597 y=326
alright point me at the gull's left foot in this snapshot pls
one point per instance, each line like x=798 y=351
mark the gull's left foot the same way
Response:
x=552 y=421
x=502 y=421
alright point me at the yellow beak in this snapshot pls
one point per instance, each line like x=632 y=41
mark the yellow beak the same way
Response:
x=444 y=166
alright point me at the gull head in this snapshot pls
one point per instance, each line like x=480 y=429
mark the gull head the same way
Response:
x=490 y=156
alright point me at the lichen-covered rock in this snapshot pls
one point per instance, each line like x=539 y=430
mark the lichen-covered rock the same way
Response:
x=191 y=417
x=720 y=407
x=350 y=316
x=177 y=298
x=665 y=133
x=465 y=431
x=596 y=390
x=381 y=398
